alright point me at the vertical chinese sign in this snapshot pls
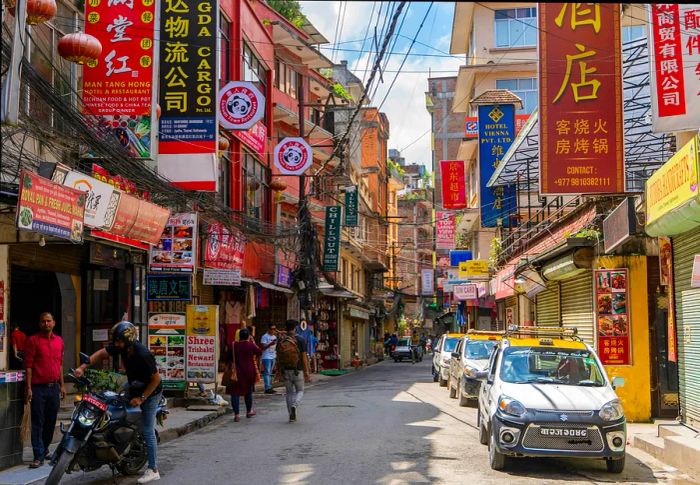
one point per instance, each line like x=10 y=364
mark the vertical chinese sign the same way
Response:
x=187 y=97
x=118 y=85
x=581 y=141
x=351 y=203
x=496 y=134
x=454 y=194
x=612 y=315
x=675 y=55
x=331 y=241
x=445 y=230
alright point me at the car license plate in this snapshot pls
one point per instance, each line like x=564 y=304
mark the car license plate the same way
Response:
x=564 y=432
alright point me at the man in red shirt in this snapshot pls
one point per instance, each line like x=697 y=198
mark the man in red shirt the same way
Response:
x=43 y=360
x=18 y=339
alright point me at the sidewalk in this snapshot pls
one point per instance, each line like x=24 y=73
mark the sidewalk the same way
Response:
x=669 y=442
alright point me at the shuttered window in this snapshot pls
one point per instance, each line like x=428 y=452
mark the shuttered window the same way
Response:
x=548 y=305
x=577 y=305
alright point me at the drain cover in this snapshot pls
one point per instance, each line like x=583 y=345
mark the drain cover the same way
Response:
x=336 y=406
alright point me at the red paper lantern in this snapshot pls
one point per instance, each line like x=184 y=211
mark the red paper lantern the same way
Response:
x=39 y=11
x=223 y=143
x=79 y=47
x=278 y=185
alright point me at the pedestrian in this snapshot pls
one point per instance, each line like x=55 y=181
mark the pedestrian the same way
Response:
x=145 y=387
x=268 y=344
x=43 y=359
x=17 y=340
x=387 y=343
x=243 y=357
x=292 y=359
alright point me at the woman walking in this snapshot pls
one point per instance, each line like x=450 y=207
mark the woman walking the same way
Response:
x=244 y=353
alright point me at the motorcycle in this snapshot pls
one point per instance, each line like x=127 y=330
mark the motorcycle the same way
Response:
x=104 y=430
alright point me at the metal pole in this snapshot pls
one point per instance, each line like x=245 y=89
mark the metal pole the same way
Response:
x=11 y=86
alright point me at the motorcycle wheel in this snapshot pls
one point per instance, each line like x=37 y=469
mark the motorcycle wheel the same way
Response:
x=59 y=468
x=136 y=459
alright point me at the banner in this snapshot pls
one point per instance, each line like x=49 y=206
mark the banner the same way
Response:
x=445 y=230
x=136 y=219
x=427 y=278
x=99 y=196
x=331 y=240
x=674 y=50
x=581 y=139
x=202 y=343
x=612 y=316
x=224 y=249
x=166 y=341
x=177 y=247
x=496 y=135
x=454 y=194
x=351 y=203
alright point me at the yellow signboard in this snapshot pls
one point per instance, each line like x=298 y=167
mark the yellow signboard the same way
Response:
x=674 y=183
x=474 y=267
x=202 y=319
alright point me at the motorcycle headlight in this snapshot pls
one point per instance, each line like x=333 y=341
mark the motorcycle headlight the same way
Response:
x=611 y=411
x=87 y=417
x=508 y=405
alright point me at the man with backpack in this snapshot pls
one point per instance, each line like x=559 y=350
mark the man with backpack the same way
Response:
x=292 y=360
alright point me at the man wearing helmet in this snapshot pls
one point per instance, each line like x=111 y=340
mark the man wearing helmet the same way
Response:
x=145 y=388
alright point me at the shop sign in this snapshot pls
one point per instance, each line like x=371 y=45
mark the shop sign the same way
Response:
x=137 y=219
x=581 y=139
x=255 y=137
x=109 y=256
x=665 y=261
x=50 y=208
x=465 y=291
x=222 y=277
x=241 y=105
x=459 y=255
x=471 y=125
x=98 y=199
x=620 y=225
x=202 y=338
x=166 y=341
x=351 y=203
x=503 y=284
x=331 y=240
x=675 y=183
x=445 y=230
x=675 y=56
x=496 y=135
x=473 y=268
x=612 y=316
x=454 y=194
x=224 y=248
x=695 y=277
x=292 y=156
x=510 y=316
x=666 y=279
x=482 y=288
x=118 y=182
x=2 y=300
x=283 y=276
x=177 y=247
x=427 y=278
x=168 y=287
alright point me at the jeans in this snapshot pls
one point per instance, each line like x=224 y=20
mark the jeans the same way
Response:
x=236 y=402
x=294 y=385
x=268 y=365
x=46 y=400
x=148 y=415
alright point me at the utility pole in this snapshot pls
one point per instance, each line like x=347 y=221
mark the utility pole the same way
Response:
x=11 y=87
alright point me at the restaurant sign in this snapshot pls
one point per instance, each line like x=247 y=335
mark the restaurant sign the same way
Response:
x=177 y=247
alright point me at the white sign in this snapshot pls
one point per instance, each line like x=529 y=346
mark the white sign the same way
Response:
x=427 y=277
x=98 y=199
x=222 y=277
x=100 y=335
x=465 y=291
x=241 y=105
x=293 y=156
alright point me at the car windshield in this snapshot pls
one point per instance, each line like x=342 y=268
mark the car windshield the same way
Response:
x=480 y=349
x=405 y=342
x=450 y=344
x=547 y=365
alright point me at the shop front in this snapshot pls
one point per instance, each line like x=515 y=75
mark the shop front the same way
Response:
x=354 y=334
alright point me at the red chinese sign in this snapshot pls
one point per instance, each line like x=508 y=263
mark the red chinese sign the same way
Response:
x=445 y=230
x=454 y=195
x=224 y=249
x=471 y=125
x=255 y=137
x=120 y=81
x=581 y=142
x=612 y=316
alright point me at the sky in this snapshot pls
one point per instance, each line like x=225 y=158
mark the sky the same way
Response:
x=405 y=103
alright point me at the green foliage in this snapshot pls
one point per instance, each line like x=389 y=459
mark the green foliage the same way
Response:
x=340 y=91
x=463 y=241
x=326 y=72
x=395 y=166
x=104 y=380
x=589 y=232
x=495 y=252
x=289 y=9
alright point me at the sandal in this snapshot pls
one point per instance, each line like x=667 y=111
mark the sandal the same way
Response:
x=250 y=414
x=236 y=418
x=36 y=463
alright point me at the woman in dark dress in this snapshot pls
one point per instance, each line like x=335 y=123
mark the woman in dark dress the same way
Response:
x=245 y=352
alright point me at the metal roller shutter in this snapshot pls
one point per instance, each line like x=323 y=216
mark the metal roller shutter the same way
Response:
x=548 y=305
x=59 y=258
x=685 y=247
x=577 y=305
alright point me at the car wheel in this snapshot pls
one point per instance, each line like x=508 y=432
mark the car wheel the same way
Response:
x=396 y=360
x=453 y=392
x=463 y=400
x=443 y=382
x=483 y=437
x=615 y=465
x=496 y=460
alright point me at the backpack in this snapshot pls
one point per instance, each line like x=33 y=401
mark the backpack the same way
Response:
x=288 y=355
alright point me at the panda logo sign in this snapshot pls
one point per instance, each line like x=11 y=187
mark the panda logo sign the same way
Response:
x=241 y=105
x=293 y=156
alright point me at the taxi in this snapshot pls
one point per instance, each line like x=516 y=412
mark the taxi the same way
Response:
x=470 y=357
x=442 y=355
x=546 y=393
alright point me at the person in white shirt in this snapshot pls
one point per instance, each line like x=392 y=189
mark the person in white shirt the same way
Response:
x=268 y=343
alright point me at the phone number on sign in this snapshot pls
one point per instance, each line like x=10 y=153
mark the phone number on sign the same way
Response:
x=586 y=181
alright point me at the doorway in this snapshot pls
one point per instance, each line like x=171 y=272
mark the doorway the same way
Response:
x=33 y=292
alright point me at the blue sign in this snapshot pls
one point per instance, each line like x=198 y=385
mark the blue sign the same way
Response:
x=459 y=255
x=168 y=287
x=496 y=134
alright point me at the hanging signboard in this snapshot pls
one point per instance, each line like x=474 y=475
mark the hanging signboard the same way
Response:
x=224 y=248
x=166 y=341
x=331 y=240
x=50 y=208
x=471 y=125
x=459 y=255
x=351 y=204
x=612 y=316
x=292 y=156
x=454 y=195
x=222 y=277
x=674 y=51
x=620 y=225
x=427 y=278
x=473 y=268
x=136 y=219
x=168 y=287
x=445 y=230
x=283 y=276
x=202 y=343
x=255 y=137
x=99 y=196
x=581 y=140
x=465 y=291
x=177 y=247
x=241 y=105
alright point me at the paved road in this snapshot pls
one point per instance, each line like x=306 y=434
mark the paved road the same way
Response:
x=388 y=424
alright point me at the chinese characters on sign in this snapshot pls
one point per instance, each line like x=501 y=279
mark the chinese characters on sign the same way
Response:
x=612 y=315
x=454 y=195
x=224 y=248
x=168 y=287
x=581 y=142
x=241 y=105
x=331 y=245
x=445 y=230
x=293 y=155
x=351 y=215
x=177 y=247
x=255 y=137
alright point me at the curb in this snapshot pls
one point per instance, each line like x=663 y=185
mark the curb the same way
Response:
x=173 y=433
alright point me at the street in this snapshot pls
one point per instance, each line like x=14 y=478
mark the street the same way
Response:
x=387 y=424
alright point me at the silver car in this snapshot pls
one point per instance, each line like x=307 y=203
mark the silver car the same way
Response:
x=470 y=357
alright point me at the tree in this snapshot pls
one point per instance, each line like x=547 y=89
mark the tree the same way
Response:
x=289 y=9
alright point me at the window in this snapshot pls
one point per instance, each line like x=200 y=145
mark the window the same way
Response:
x=225 y=47
x=633 y=32
x=253 y=69
x=525 y=88
x=285 y=78
x=225 y=177
x=256 y=189
x=516 y=27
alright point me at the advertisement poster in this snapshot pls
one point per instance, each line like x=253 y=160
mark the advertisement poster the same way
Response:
x=166 y=341
x=168 y=287
x=50 y=208
x=331 y=239
x=580 y=76
x=612 y=316
x=202 y=338
x=445 y=230
x=454 y=195
x=224 y=248
x=351 y=202
x=177 y=248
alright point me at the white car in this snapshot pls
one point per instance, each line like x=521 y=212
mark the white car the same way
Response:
x=442 y=354
x=550 y=397
x=470 y=357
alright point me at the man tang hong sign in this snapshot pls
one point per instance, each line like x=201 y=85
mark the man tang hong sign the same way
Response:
x=331 y=241
x=581 y=141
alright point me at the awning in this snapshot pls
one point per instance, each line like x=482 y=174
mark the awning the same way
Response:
x=337 y=293
x=577 y=261
x=269 y=286
x=357 y=312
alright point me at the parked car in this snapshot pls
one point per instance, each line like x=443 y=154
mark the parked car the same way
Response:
x=546 y=393
x=442 y=356
x=405 y=350
x=470 y=356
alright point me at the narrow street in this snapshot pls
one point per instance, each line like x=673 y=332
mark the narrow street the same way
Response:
x=388 y=424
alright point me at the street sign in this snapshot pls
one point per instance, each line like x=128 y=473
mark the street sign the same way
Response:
x=241 y=105
x=293 y=156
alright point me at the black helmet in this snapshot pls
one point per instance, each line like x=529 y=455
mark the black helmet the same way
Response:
x=124 y=331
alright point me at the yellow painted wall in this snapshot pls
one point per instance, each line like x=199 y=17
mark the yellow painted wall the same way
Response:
x=636 y=394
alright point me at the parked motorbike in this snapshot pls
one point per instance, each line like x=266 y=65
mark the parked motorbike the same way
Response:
x=104 y=430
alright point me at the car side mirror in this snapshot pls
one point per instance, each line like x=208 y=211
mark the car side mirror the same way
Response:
x=455 y=354
x=618 y=382
x=481 y=375
x=84 y=358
